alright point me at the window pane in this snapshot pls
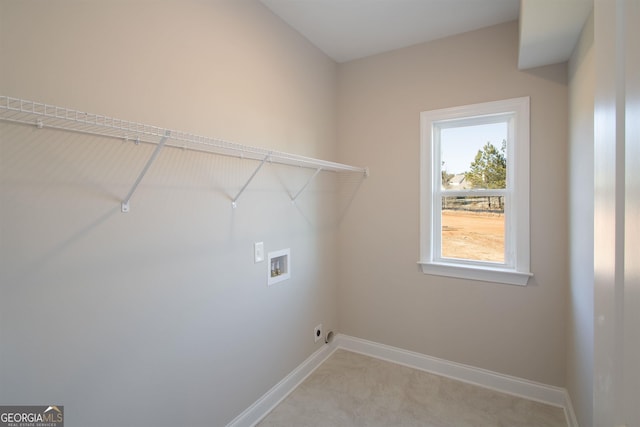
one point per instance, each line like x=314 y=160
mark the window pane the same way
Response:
x=474 y=156
x=473 y=228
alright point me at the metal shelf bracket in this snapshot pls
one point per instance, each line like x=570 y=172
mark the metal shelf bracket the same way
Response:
x=311 y=178
x=48 y=116
x=154 y=155
x=244 y=187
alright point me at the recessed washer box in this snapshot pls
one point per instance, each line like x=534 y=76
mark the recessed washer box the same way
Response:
x=279 y=266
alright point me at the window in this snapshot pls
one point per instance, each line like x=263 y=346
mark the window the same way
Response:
x=475 y=192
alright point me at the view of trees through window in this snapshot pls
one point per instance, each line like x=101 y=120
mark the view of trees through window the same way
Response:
x=473 y=162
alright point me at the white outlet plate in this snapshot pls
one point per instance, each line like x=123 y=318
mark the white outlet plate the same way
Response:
x=317 y=333
x=258 y=252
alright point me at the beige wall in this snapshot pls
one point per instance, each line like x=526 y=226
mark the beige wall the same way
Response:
x=160 y=313
x=580 y=303
x=383 y=296
x=163 y=307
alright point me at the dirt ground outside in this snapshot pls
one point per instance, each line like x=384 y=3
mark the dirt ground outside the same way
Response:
x=473 y=235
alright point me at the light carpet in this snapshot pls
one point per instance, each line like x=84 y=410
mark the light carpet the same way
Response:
x=351 y=389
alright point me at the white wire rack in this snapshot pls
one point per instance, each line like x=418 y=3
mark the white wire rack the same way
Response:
x=55 y=117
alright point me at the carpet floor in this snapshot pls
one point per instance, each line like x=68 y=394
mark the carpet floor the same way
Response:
x=351 y=389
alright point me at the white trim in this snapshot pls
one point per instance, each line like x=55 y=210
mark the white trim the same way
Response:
x=515 y=269
x=485 y=274
x=272 y=398
x=531 y=390
x=572 y=420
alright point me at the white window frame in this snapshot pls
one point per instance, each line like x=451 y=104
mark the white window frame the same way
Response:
x=515 y=269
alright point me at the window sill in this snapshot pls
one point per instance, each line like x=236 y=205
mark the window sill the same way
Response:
x=484 y=274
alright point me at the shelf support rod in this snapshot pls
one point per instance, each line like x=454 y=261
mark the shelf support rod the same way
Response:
x=154 y=155
x=311 y=178
x=244 y=187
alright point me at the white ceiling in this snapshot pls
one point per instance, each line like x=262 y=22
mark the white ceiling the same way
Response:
x=352 y=29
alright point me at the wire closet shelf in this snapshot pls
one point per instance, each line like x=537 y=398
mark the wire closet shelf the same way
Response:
x=51 y=116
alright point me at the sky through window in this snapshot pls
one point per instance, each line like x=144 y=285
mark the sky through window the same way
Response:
x=459 y=145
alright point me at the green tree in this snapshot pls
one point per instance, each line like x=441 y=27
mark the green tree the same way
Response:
x=489 y=168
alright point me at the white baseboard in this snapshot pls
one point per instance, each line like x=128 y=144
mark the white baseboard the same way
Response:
x=572 y=420
x=261 y=407
x=551 y=395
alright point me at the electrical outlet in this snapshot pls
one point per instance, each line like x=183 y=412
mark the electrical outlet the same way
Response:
x=258 y=252
x=317 y=333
